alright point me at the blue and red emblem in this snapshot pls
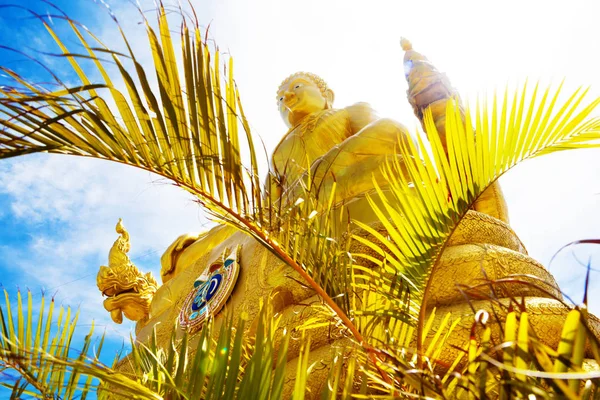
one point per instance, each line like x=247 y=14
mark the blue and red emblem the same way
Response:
x=211 y=291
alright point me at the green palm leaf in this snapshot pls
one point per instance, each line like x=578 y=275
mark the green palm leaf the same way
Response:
x=427 y=203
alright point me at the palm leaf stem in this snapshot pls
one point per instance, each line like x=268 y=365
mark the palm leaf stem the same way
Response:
x=118 y=148
x=26 y=374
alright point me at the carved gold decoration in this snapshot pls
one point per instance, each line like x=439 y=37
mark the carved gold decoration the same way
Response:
x=129 y=291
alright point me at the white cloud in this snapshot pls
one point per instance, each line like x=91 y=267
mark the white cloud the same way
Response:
x=83 y=199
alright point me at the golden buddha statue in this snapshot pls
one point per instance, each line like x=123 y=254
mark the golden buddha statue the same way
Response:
x=346 y=146
x=203 y=272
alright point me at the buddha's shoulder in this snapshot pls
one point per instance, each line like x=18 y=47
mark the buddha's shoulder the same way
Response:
x=318 y=130
x=321 y=119
x=359 y=107
x=361 y=113
x=337 y=119
x=346 y=112
x=339 y=115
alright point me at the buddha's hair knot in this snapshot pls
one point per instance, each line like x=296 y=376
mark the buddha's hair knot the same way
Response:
x=316 y=79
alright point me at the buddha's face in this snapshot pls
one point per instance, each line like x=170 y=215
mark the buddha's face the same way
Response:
x=301 y=97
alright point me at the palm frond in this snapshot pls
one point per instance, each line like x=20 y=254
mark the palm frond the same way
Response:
x=188 y=132
x=156 y=134
x=426 y=203
x=43 y=355
x=234 y=365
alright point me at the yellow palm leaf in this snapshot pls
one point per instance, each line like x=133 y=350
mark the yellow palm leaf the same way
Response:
x=188 y=132
x=428 y=201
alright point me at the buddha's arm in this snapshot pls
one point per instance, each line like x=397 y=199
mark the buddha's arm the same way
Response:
x=361 y=115
x=354 y=163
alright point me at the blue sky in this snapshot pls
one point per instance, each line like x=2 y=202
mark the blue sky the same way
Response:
x=57 y=213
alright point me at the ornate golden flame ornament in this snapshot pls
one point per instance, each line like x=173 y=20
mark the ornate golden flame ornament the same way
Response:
x=129 y=291
x=211 y=291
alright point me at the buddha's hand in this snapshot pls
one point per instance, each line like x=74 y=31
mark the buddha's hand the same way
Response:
x=168 y=261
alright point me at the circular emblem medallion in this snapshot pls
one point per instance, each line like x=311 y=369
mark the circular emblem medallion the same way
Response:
x=211 y=291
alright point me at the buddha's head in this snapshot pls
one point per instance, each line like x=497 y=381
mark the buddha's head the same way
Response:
x=302 y=94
